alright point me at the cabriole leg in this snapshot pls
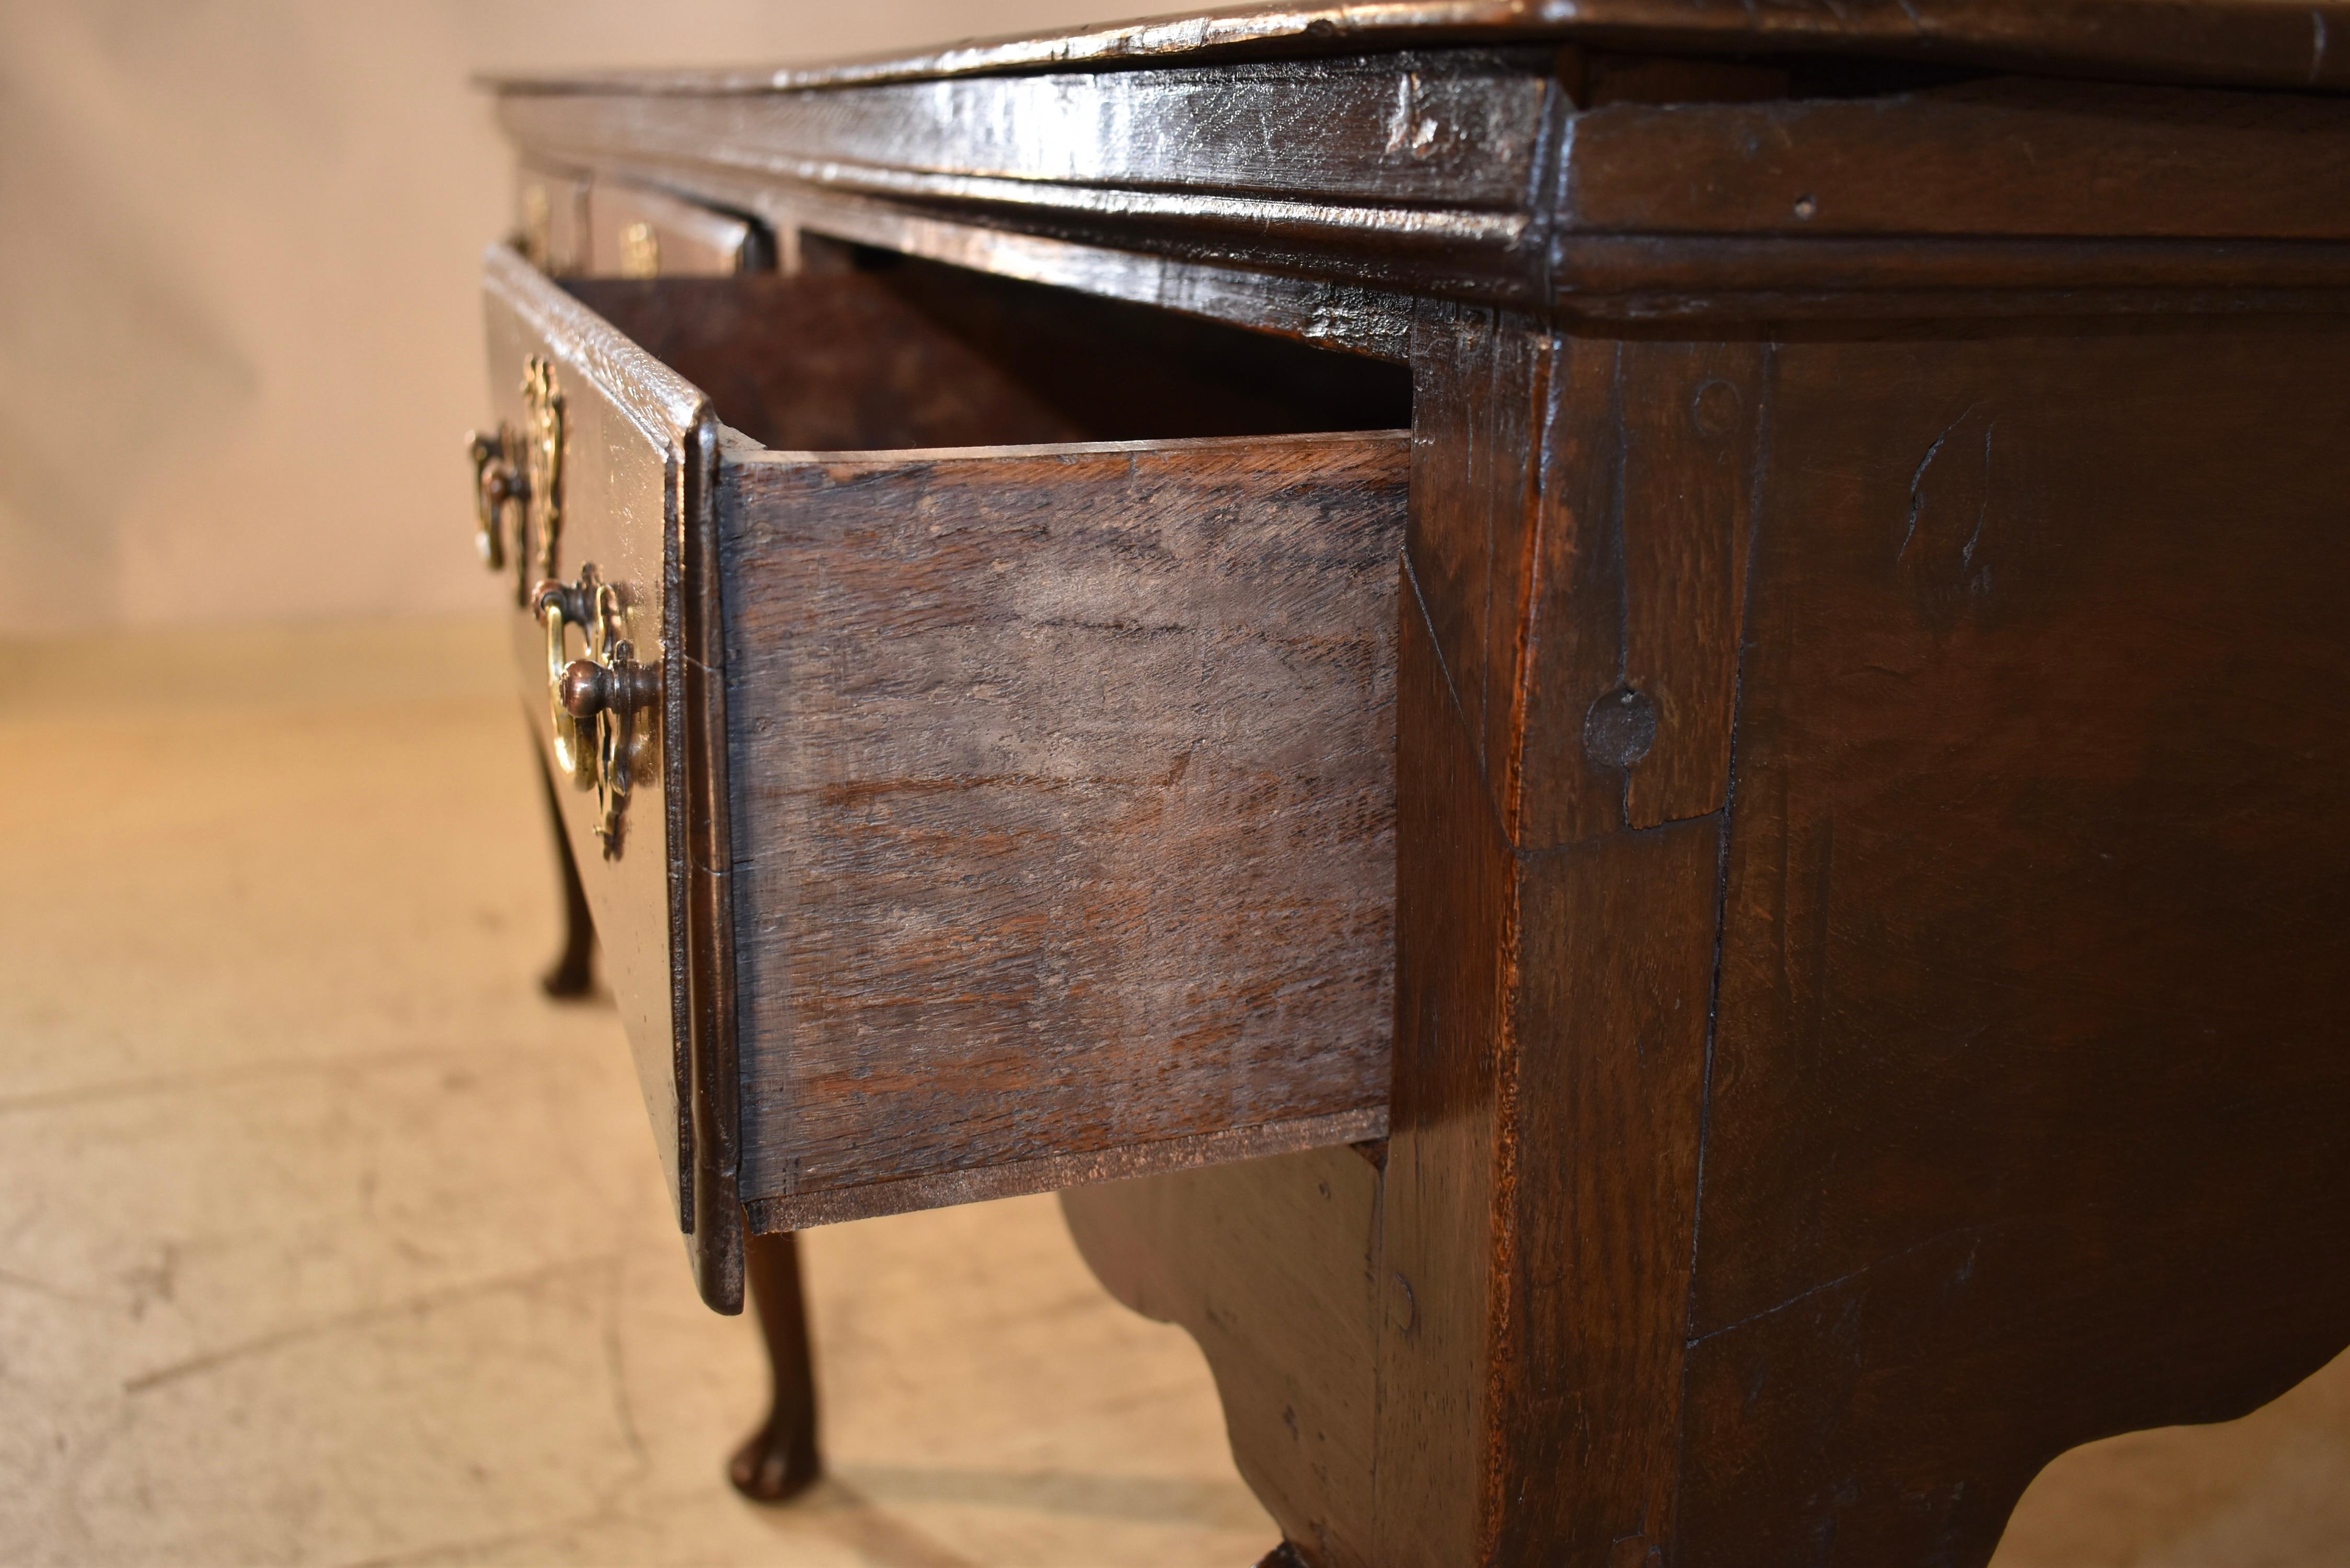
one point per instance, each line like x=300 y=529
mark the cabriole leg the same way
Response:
x=779 y=1461
x=574 y=974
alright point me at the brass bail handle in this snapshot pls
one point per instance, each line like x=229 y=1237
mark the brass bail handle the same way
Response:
x=591 y=699
x=559 y=605
x=522 y=470
x=497 y=484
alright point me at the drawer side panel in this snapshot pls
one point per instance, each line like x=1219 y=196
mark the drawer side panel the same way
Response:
x=1064 y=811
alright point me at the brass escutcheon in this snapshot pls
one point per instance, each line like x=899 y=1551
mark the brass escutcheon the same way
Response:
x=592 y=701
x=539 y=226
x=640 y=250
x=543 y=446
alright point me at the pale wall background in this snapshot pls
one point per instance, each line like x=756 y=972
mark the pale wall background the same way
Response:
x=239 y=341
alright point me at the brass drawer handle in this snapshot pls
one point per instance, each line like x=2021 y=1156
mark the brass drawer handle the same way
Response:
x=522 y=470
x=592 y=701
x=496 y=485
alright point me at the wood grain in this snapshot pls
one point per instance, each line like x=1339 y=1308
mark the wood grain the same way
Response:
x=1480 y=403
x=1327 y=312
x=2032 y=1070
x=1554 y=1003
x=2010 y=157
x=1064 y=801
x=1865 y=862
x=894 y=352
x=2248 y=43
x=1462 y=136
x=1602 y=1112
x=1476 y=172
x=1643 y=529
x=638 y=445
x=1067 y=1172
x=1444 y=1254
x=1222 y=171
x=1273 y=1266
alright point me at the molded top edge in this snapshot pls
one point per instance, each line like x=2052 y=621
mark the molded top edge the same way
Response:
x=2227 y=42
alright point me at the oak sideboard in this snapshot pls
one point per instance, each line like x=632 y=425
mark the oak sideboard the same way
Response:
x=1619 y=726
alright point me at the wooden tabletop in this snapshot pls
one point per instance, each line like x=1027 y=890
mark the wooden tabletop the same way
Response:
x=2229 y=42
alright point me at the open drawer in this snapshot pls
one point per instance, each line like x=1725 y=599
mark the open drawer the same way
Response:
x=972 y=798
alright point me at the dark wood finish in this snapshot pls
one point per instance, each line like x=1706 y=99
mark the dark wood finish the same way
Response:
x=2244 y=43
x=1374 y=215
x=1325 y=312
x=826 y=362
x=2011 y=156
x=2033 y=815
x=889 y=352
x=779 y=1461
x=1524 y=177
x=637 y=503
x=1866 y=706
x=1080 y=849
x=2032 y=1065
x=573 y=975
x=1082 y=707
x=1555 y=955
x=1479 y=147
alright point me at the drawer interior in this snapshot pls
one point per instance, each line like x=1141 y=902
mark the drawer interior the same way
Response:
x=874 y=351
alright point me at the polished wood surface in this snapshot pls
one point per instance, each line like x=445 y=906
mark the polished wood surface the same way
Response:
x=2029 y=1067
x=1594 y=183
x=1865 y=699
x=2248 y=43
x=636 y=504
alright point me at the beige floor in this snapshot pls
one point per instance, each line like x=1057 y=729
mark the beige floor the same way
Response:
x=325 y=1239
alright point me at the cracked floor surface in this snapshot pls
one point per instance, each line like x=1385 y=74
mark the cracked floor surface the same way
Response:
x=324 y=1239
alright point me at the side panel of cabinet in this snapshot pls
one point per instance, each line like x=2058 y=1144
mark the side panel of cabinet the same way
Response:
x=1064 y=808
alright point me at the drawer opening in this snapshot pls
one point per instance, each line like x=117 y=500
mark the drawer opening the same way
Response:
x=1048 y=773
x=876 y=351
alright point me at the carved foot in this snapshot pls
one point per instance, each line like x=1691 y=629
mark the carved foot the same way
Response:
x=779 y=1461
x=774 y=1464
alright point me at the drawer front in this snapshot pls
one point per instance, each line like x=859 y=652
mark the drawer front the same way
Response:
x=1065 y=803
x=551 y=218
x=636 y=232
x=572 y=224
x=604 y=494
